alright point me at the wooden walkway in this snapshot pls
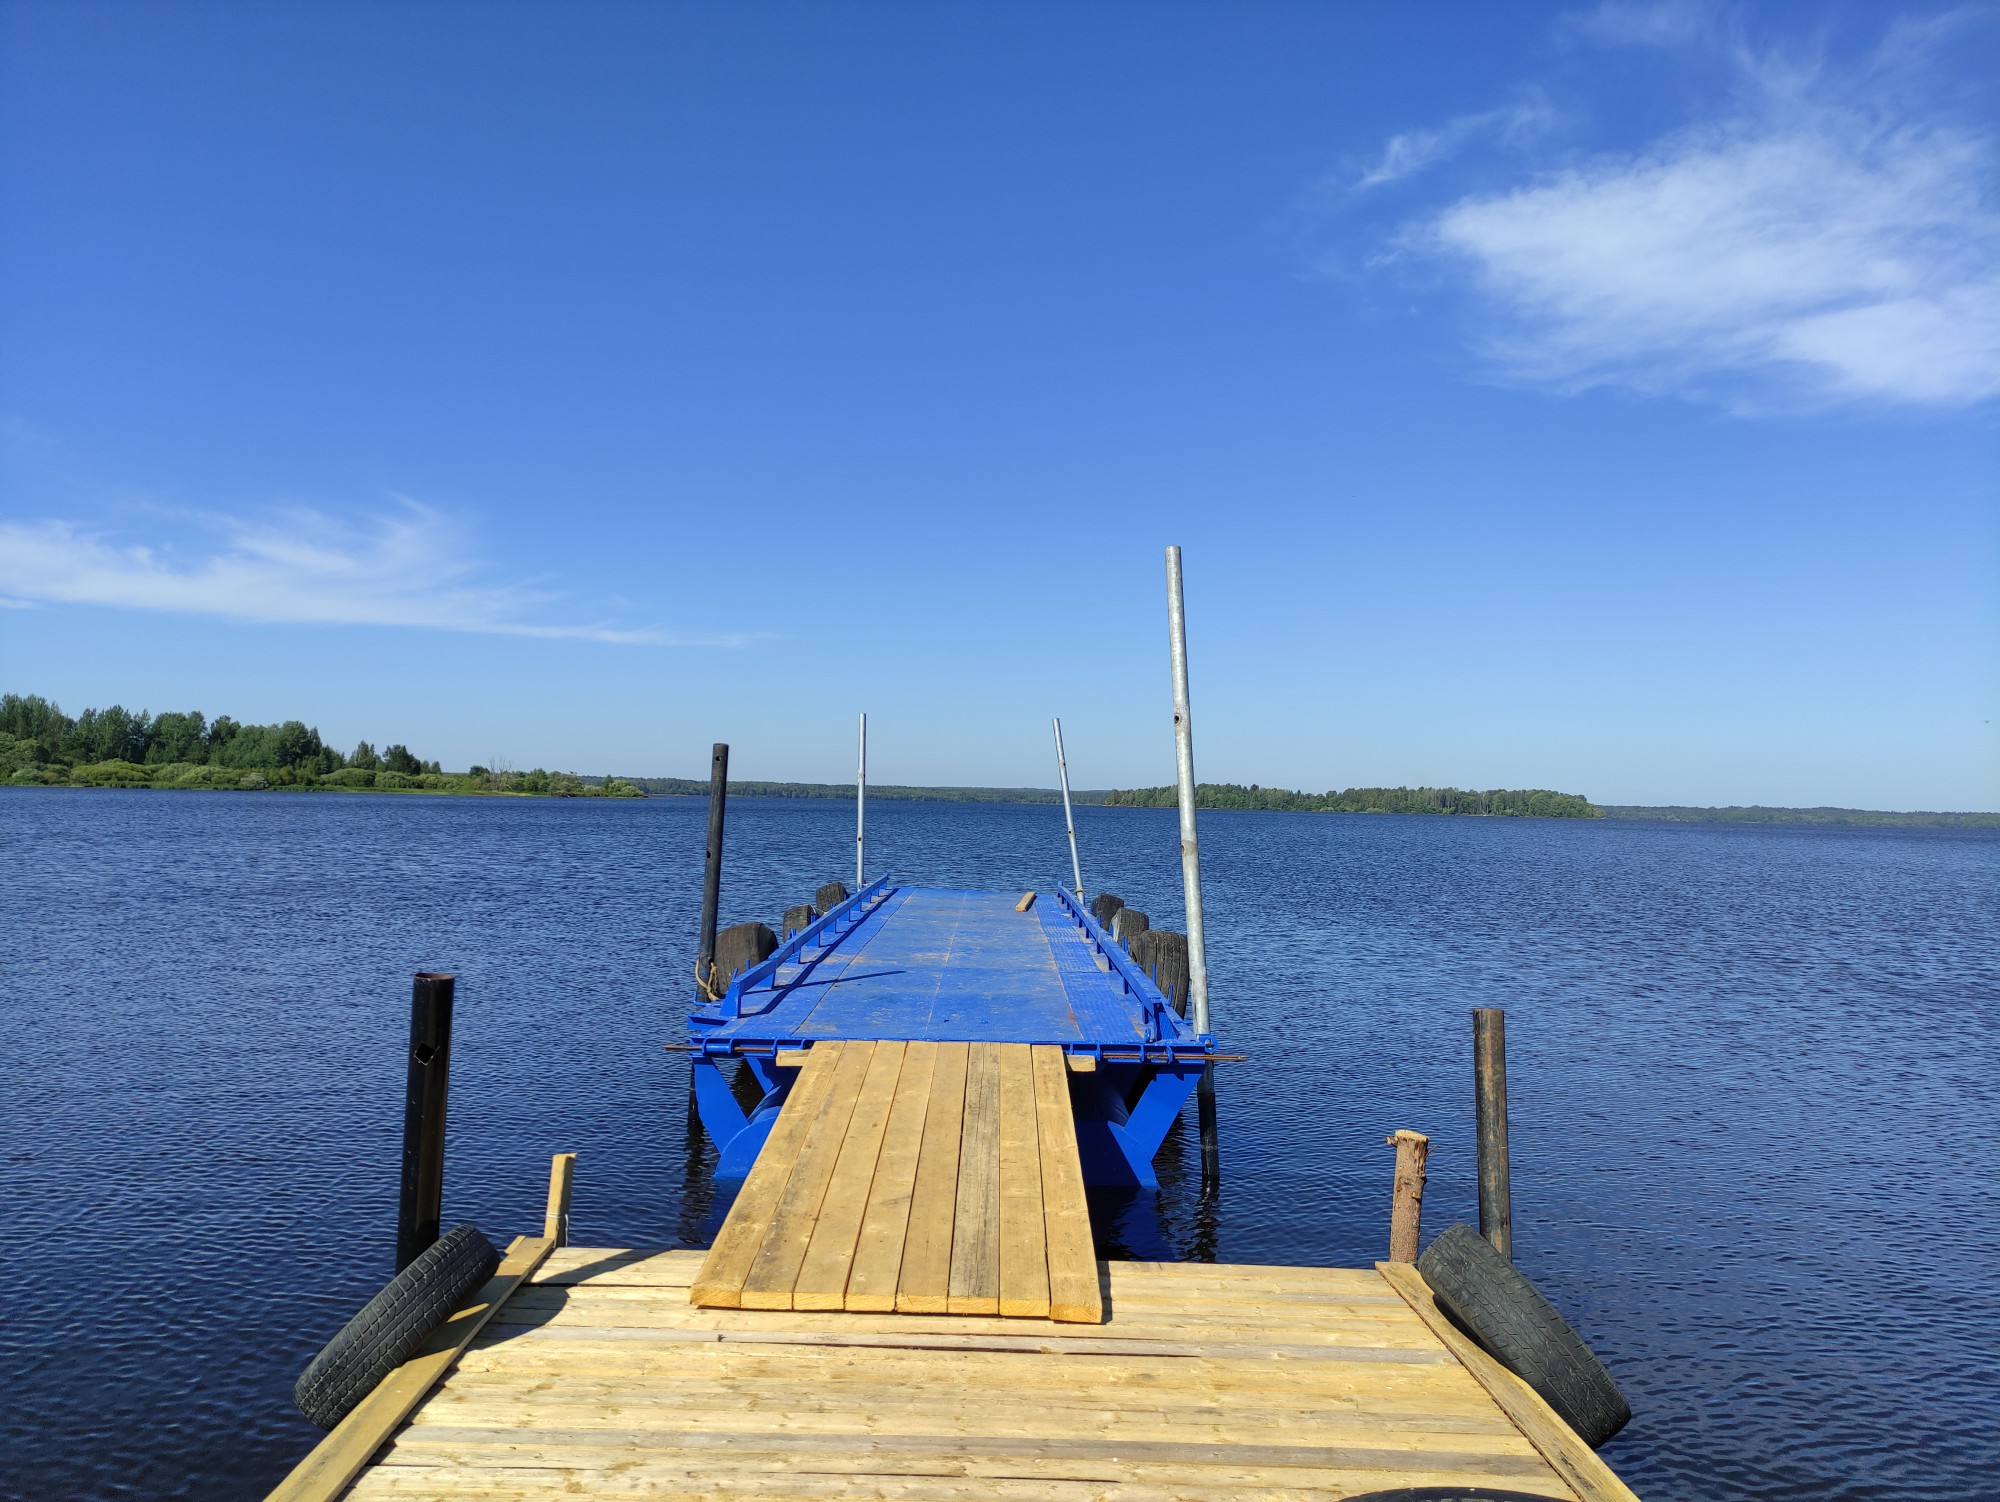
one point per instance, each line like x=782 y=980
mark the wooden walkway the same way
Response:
x=600 y=1379
x=915 y=1178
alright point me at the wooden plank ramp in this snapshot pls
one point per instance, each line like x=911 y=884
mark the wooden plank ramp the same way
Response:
x=601 y=1379
x=918 y=1177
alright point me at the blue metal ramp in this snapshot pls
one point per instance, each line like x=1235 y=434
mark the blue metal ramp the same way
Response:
x=945 y=965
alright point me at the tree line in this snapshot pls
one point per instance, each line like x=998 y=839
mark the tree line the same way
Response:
x=1533 y=803
x=117 y=747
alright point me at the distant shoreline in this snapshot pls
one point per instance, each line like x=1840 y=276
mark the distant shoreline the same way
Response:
x=1758 y=814
x=456 y=786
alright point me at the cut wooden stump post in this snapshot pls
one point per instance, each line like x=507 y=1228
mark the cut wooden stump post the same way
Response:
x=555 y=1224
x=1489 y=1076
x=1406 y=1204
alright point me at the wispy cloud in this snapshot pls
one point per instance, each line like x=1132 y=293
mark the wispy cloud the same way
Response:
x=1408 y=153
x=1825 y=236
x=1648 y=23
x=409 y=567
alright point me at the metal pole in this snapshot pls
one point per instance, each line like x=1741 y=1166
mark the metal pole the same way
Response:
x=711 y=888
x=861 y=807
x=1489 y=1078
x=1062 y=770
x=1184 y=757
x=422 y=1207
x=1211 y=1153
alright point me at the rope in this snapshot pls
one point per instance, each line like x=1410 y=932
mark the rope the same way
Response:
x=706 y=984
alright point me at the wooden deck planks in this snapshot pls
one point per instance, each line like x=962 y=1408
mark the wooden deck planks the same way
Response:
x=1024 y=1251
x=921 y=1178
x=719 y=1284
x=878 y=1254
x=926 y=1276
x=829 y=1256
x=1072 y=1254
x=636 y=1403
x=775 y=1270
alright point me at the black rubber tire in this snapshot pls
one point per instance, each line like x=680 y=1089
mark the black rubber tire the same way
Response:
x=829 y=897
x=798 y=917
x=1103 y=907
x=391 y=1326
x=1493 y=1302
x=1448 y=1494
x=740 y=946
x=1128 y=925
x=1163 y=954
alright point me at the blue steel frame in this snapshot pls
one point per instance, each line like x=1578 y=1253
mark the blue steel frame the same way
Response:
x=1123 y=1107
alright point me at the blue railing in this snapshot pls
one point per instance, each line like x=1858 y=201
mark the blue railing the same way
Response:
x=857 y=907
x=1163 y=1023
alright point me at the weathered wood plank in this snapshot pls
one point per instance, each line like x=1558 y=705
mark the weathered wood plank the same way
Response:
x=1560 y=1445
x=336 y=1460
x=924 y=1284
x=1074 y=1291
x=775 y=1270
x=998 y=1479
x=975 y=1234
x=719 y=1283
x=830 y=1254
x=1024 y=1251
x=878 y=1251
x=555 y=1220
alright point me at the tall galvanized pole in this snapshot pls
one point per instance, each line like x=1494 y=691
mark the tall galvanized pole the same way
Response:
x=1211 y=1153
x=861 y=806
x=1184 y=758
x=1062 y=770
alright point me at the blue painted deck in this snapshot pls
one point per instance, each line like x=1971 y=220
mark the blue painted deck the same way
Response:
x=953 y=966
x=944 y=965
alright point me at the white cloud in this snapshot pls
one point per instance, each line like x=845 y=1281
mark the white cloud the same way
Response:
x=1825 y=238
x=411 y=568
x=1661 y=23
x=1411 y=152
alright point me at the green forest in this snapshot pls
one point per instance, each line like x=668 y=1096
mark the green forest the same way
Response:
x=115 y=747
x=692 y=787
x=1533 y=803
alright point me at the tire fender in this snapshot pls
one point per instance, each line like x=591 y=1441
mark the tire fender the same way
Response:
x=1489 y=1298
x=391 y=1326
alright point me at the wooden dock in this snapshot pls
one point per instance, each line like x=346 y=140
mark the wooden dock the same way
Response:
x=921 y=1178
x=599 y=1378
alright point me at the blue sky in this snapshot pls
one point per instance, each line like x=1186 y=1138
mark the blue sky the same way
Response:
x=1599 y=399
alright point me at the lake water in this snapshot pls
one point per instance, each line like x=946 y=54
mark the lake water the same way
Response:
x=1752 y=1069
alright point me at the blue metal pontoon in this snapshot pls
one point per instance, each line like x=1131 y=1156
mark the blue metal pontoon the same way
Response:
x=915 y=963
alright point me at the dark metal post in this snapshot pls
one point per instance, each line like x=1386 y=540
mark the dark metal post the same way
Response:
x=1211 y=1148
x=711 y=887
x=1489 y=1078
x=417 y=1221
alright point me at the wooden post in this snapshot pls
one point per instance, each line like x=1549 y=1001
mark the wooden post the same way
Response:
x=1406 y=1201
x=711 y=886
x=1489 y=1078
x=555 y=1224
x=417 y=1219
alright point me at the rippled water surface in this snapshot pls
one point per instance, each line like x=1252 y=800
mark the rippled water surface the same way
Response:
x=1753 y=1076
